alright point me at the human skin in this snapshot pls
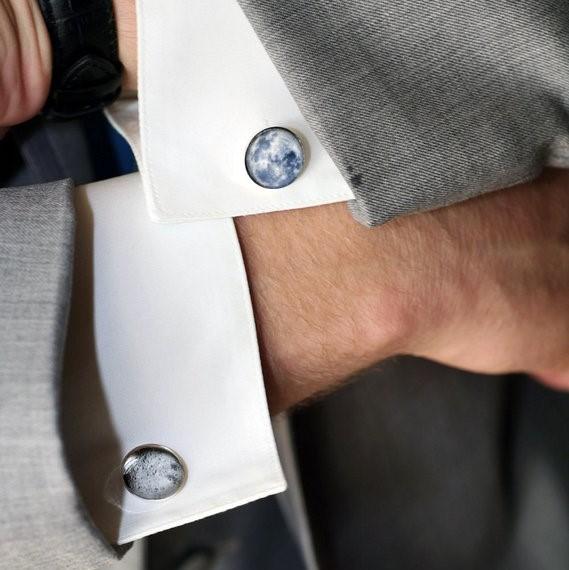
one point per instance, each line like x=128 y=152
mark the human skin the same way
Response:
x=25 y=56
x=482 y=285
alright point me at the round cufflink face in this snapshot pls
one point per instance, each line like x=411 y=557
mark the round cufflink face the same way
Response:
x=275 y=158
x=153 y=472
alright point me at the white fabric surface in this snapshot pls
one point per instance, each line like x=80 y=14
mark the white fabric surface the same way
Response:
x=207 y=86
x=172 y=357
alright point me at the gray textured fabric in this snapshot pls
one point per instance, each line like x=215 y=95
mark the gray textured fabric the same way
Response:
x=423 y=104
x=42 y=524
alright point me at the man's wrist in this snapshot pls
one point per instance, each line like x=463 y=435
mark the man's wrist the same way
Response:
x=327 y=302
x=26 y=57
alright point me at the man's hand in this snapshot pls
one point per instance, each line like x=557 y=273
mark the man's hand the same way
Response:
x=25 y=57
x=483 y=285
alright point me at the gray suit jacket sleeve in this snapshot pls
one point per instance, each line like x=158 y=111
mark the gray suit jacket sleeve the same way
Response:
x=423 y=104
x=42 y=524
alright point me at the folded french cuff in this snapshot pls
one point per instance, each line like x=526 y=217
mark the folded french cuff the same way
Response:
x=207 y=88
x=163 y=369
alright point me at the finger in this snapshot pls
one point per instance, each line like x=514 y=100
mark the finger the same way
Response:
x=25 y=53
x=558 y=380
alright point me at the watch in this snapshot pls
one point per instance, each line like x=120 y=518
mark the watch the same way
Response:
x=87 y=73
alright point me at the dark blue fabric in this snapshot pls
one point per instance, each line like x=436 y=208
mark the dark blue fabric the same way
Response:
x=85 y=150
x=109 y=152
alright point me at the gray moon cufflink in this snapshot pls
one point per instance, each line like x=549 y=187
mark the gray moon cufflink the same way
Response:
x=153 y=472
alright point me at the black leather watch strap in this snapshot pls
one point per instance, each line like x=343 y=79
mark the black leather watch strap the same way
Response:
x=87 y=72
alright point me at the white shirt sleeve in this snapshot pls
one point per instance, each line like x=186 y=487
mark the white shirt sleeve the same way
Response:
x=162 y=347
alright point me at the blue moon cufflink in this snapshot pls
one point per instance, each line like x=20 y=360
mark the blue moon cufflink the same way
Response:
x=275 y=158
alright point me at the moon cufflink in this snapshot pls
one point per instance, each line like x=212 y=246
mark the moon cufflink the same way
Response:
x=274 y=158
